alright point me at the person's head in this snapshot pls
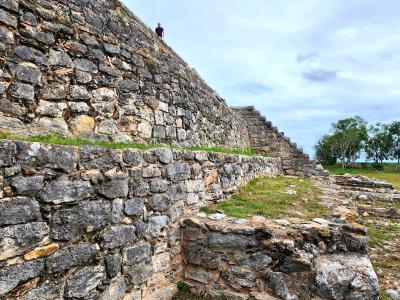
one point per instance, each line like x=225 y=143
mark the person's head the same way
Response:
x=159 y=24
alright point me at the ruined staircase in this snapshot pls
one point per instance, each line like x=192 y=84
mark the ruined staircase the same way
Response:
x=266 y=138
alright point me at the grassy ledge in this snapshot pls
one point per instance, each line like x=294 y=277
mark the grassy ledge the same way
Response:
x=274 y=198
x=60 y=140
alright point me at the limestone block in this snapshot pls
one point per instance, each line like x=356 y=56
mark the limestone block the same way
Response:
x=82 y=125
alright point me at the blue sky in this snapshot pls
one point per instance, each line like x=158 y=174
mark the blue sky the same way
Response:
x=303 y=64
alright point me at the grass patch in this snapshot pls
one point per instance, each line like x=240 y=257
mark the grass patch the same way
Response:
x=60 y=140
x=274 y=198
x=379 y=234
x=390 y=172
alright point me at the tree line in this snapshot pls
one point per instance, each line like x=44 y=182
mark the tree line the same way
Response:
x=353 y=138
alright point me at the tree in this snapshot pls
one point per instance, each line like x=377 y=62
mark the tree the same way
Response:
x=379 y=144
x=394 y=129
x=324 y=150
x=350 y=135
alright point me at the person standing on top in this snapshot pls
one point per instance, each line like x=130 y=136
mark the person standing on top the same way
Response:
x=160 y=31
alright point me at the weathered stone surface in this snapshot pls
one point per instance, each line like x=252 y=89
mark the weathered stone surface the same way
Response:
x=16 y=239
x=99 y=158
x=27 y=185
x=113 y=265
x=138 y=273
x=159 y=202
x=83 y=281
x=134 y=207
x=85 y=65
x=31 y=54
x=19 y=210
x=117 y=236
x=41 y=251
x=83 y=124
x=199 y=255
x=22 y=91
x=116 y=188
x=47 y=290
x=158 y=185
x=68 y=223
x=12 y=276
x=198 y=274
x=59 y=58
x=257 y=261
x=157 y=225
x=231 y=241
x=117 y=212
x=115 y=291
x=178 y=171
x=71 y=256
x=8 y=19
x=50 y=125
x=78 y=92
x=350 y=276
x=135 y=254
x=53 y=92
x=238 y=277
x=139 y=189
x=51 y=109
x=7 y=153
x=277 y=284
x=65 y=190
x=29 y=74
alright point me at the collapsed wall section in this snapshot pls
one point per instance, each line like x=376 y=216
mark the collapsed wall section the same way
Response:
x=266 y=259
x=87 y=222
x=266 y=138
x=92 y=69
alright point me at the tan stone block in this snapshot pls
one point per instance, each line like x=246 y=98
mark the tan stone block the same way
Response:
x=82 y=125
x=213 y=177
x=41 y=251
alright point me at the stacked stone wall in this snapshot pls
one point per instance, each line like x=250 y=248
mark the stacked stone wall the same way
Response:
x=265 y=137
x=92 y=69
x=95 y=223
x=265 y=259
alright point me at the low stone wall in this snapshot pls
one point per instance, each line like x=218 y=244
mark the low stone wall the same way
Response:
x=232 y=259
x=266 y=138
x=87 y=222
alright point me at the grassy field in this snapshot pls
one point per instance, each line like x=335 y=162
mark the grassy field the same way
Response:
x=390 y=173
x=60 y=140
x=274 y=198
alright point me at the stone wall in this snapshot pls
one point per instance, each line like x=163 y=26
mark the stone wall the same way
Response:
x=91 y=68
x=86 y=222
x=232 y=259
x=266 y=138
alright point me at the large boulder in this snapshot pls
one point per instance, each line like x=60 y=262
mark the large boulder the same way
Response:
x=346 y=276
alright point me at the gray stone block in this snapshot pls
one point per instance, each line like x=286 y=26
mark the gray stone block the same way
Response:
x=27 y=185
x=12 y=276
x=137 y=253
x=118 y=236
x=83 y=281
x=65 y=190
x=71 y=256
x=19 y=210
x=17 y=239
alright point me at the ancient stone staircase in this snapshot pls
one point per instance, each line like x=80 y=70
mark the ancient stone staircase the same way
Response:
x=265 y=137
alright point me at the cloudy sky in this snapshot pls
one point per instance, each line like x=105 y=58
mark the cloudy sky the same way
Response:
x=303 y=64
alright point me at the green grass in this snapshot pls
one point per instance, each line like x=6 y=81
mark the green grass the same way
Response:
x=266 y=197
x=379 y=234
x=391 y=172
x=60 y=140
